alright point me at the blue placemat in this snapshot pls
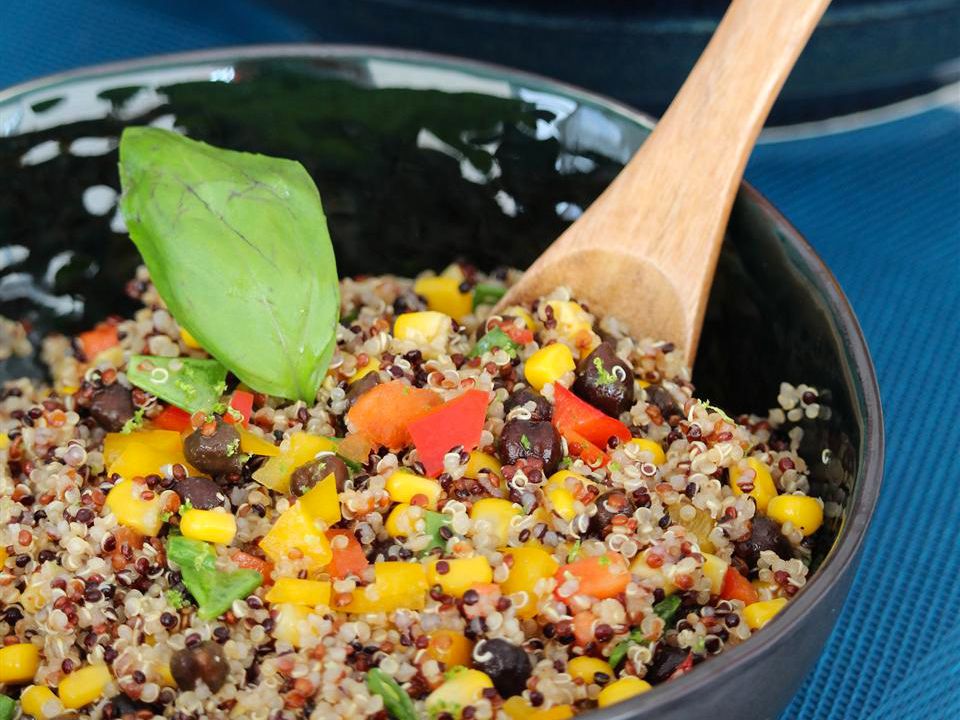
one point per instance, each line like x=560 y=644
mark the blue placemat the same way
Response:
x=881 y=203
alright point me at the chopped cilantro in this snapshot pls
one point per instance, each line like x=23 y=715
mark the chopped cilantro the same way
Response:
x=525 y=442
x=604 y=561
x=604 y=376
x=233 y=447
x=185 y=507
x=707 y=406
x=566 y=462
x=134 y=423
x=614 y=467
x=574 y=552
x=176 y=599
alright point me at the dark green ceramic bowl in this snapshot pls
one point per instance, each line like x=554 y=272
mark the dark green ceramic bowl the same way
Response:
x=421 y=160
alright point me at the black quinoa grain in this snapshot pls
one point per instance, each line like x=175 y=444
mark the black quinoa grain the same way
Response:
x=168 y=620
x=664 y=522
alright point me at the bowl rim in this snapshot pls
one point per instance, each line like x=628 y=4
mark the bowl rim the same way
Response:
x=857 y=363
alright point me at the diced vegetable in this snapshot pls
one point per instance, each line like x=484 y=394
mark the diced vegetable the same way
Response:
x=570 y=413
x=102 y=337
x=322 y=502
x=275 y=473
x=372 y=365
x=620 y=650
x=83 y=686
x=517 y=708
x=737 y=587
x=450 y=647
x=424 y=328
x=654 y=575
x=497 y=514
x=760 y=613
x=657 y=455
x=300 y=592
x=480 y=461
x=172 y=418
x=213 y=590
x=761 y=486
x=253 y=445
x=586 y=668
x=495 y=338
x=39 y=702
x=189 y=340
x=188 y=383
x=295 y=531
x=355 y=450
x=433 y=522
x=241 y=402
x=383 y=413
x=289 y=626
x=395 y=698
x=530 y=565
x=396 y=585
x=144 y=452
x=579 y=446
x=458 y=422
x=404 y=486
x=583 y=627
x=8 y=707
x=461 y=574
x=19 y=663
x=487 y=294
x=548 y=364
x=715 y=570
x=622 y=689
x=348 y=556
x=600 y=576
x=126 y=501
x=462 y=687
x=806 y=513
x=247 y=561
x=443 y=295
x=667 y=609
x=209 y=526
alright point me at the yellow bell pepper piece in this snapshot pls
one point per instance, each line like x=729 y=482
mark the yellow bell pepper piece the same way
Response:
x=275 y=473
x=622 y=689
x=658 y=457
x=3 y=557
x=372 y=365
x=126 y=501
x=396 y=585
x=450 y=647
x=760 y=613
x=144 y=452
x=462 y=574
x=19 y=663
x=497 y=514
x=426 y=327
x=114 y=444
x=290 y=624
x=296 y=530
x=209 y=525
x=559 y=496
x=806 y=513
x=530 y=565
x=463 y=687
x=482 y=461
x=586 y=668
x=189 y=340
x=253 y=445
x=443 y=295
x=764 y=489
x=322 y=502
x=403 y=486
x=300 y=592
x=84 y=686
x=548 y=364
x=714 y=569
x=402 y=520
x=38 y=701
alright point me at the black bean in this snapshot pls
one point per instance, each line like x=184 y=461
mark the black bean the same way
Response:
x=217 y=453
x=764 y=535
x=112 y=406
x=367 y=382
x=542 y=409
x=202 y=493
x=666 y=660
x=661 y=398
x=507 y=665
x=605 y=381
x=530 y=439
x=609 y=505
x=205 y=662
x=309 y=474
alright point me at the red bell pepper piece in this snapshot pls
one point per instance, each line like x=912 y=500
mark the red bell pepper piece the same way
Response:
x=457 y=422
x=521 y=336
x=102 y=337
x=348 y=560
x=737 y=587
x=571 y=414
x=172 y=418
x=242 y=402
x=579 y=446
x=246 y=561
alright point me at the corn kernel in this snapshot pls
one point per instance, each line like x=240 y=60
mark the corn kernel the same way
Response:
x=482 y=461
x=126 y=501
x=38 y=701
x=586 y=668
x=622 y=689
x=806 y=513
x=372 y=365
x=463 y=687
x=714 y=569
x=300 y=592
x=189 y=340
x=396 y=585
x=450 y=647
x=425 y=327
x=296 y=530
x=548 y=364
x=19 y=663
x=403 y=486
x=530 y=565
x=764 y=488
x=461 y=575
x=497 y=514
x=655 y=576
x=760 y=613
x=290 y=625
x=443 y=295
x=657 y=456
x=84 y=686
x=209 y=526
x=321 y=502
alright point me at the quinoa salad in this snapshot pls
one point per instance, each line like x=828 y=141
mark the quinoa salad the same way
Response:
x=523 y=514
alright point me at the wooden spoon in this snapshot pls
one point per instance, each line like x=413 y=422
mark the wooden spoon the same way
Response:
x=646 y=249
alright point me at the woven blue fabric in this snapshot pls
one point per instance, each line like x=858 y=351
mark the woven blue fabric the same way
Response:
x=882 y=206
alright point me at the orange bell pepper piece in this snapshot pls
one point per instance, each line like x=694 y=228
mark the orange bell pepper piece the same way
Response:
x=383 y=413
x=601 y=576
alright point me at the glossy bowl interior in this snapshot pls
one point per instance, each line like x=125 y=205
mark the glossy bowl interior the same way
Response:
x=421 y=160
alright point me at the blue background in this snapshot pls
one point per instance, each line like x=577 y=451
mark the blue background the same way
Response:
x=880 y=202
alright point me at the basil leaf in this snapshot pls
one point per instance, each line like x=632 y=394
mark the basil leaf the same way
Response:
x=667 y=608
x=487 y=294
x=495 y=338
x=395 y=698
x=238 y=247
x=8 y=707
x=213 y=589
x=188 y=383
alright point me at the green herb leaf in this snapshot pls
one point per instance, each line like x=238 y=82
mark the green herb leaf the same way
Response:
x=176 y=599
x=213 y=590
x=495 y=338
x=574 y=552
x=238 y=247
x=188 y=383
x=620 y=650
x=395 y=698
x=604 y=376
x=134 y=423
x=8 y=707
x=487 y=294
x=667 y=608
x=525 y=442
x=708 y=406
x=353 y=465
